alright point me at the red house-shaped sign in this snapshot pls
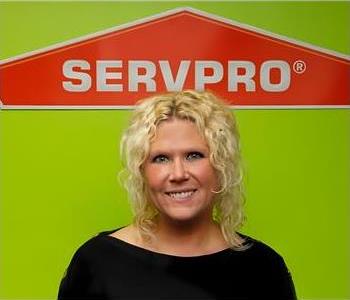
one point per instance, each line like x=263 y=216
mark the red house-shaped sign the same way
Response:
x=179 y=49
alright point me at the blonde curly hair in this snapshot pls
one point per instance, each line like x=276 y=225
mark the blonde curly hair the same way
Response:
x=217 y=125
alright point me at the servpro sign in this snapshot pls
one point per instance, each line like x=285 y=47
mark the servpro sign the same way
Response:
x=143 y=72
x=176 y=50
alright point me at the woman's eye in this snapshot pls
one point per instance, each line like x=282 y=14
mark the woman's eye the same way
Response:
x=194 y=155
x=160 y=159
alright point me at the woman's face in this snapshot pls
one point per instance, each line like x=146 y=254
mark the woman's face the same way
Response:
x=178 y=172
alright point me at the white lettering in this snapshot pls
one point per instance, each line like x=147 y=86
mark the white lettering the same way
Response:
x=69 y=72
x=234 y=78
x=265 y=76
x=102 y=75
x=274 y=75
x=201 y=79
x=177 y=83
x=135 y=78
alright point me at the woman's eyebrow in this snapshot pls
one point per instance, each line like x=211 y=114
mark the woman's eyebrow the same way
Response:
x=184 y=150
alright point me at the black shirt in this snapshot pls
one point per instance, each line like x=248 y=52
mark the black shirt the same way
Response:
x=108 y=268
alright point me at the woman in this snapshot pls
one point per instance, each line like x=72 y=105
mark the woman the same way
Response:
x=182 y=159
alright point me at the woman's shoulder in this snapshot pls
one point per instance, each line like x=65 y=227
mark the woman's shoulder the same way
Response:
x=269 y=267
x=96 y=244
x=264 y=258
x=254 y=243
x=261 y=251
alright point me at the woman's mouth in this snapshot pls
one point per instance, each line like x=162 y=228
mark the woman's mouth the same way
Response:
x=181 y=194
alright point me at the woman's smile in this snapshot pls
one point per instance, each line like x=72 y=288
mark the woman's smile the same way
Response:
x=181 y=195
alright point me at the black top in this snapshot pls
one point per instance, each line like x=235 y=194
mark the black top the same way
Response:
x=108 y=268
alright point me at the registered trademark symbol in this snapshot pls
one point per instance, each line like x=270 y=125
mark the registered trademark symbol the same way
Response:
x=299 y=66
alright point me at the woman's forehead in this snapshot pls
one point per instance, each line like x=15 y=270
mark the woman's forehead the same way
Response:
x=178 y=132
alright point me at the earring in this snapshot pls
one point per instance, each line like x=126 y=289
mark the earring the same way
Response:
x=218 y=192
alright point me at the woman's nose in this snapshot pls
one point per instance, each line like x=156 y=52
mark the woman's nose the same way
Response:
x=178 y=171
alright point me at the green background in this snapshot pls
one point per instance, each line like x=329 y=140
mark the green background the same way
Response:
x=59 y=168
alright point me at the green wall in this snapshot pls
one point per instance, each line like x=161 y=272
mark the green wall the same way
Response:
x=58 y=169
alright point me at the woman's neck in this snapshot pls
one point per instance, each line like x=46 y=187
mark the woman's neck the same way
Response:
x=188 y=239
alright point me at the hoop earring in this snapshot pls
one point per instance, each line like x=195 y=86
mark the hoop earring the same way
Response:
x=218 y=192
